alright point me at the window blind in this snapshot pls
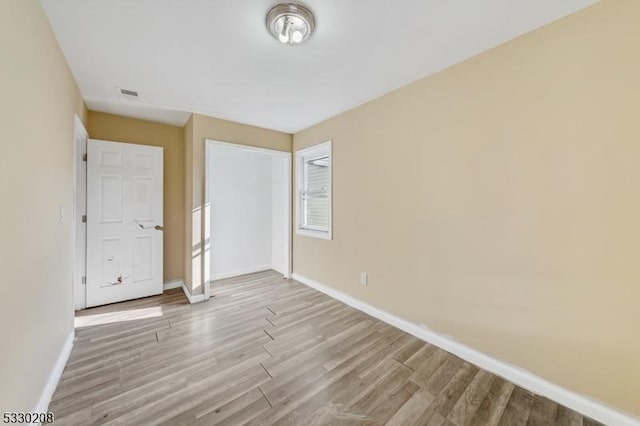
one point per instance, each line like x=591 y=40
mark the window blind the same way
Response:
x=316 y=193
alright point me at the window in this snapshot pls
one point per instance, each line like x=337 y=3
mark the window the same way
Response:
x=313 y=201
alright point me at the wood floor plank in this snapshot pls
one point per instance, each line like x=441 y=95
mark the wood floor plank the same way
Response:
x=286 y=385
x=220 y=397
x=279 y=365
x=589 y=422
x=465 y=409
x=267 y=351
x=543 y=412
x=188 y=398
x=412 y=410
x=383 y=411
x=428 y=366
x=491 y=409
x=449 y=396
x=418 y=357
x=518 y=408
x=441 y=376
x=336 y=409
x=565 y=416
x=237 y=412
x=390 y=377
x=407 y=346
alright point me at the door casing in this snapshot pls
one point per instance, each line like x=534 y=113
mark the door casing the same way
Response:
x=79 y=228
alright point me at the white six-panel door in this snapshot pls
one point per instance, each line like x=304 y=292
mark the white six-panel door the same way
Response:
x=124 y=221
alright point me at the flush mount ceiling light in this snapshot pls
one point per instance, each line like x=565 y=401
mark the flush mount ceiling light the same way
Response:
x=290 y=23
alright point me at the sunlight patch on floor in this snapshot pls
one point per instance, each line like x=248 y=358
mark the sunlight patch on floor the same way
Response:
x=120 y=316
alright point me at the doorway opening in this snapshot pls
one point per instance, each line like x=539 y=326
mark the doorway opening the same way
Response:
x=247 y=211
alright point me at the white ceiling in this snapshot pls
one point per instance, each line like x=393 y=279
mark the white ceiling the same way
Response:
x=215 y=57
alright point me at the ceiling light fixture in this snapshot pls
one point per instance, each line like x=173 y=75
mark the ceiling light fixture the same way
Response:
x=290 y=23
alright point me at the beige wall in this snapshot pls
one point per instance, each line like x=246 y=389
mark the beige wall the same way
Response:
x=38 y=101
x=498 y=202
x=171 y=138
x=197 y=130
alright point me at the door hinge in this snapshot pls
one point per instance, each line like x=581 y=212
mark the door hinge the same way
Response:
x=84 y=280
x=84 y=157
x=84 y=218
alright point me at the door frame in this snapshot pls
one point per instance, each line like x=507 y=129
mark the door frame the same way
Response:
x=79 y=228
x=206 y=217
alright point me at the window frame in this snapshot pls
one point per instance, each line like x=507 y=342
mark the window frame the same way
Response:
x=302 y=155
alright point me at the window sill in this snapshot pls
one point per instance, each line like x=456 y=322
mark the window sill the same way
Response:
x=312 y=233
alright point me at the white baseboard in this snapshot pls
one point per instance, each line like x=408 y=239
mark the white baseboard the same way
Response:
x=169 y=285
x=281 y=271
x=192 y=299
x=520 y=377
x=240 y=272
x=54 y=376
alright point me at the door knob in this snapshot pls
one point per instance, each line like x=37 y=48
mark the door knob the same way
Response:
x=157 y=227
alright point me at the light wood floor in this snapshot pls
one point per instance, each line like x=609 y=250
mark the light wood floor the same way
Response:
x=270 y=351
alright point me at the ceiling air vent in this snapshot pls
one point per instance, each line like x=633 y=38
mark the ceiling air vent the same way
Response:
x=128 y=94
